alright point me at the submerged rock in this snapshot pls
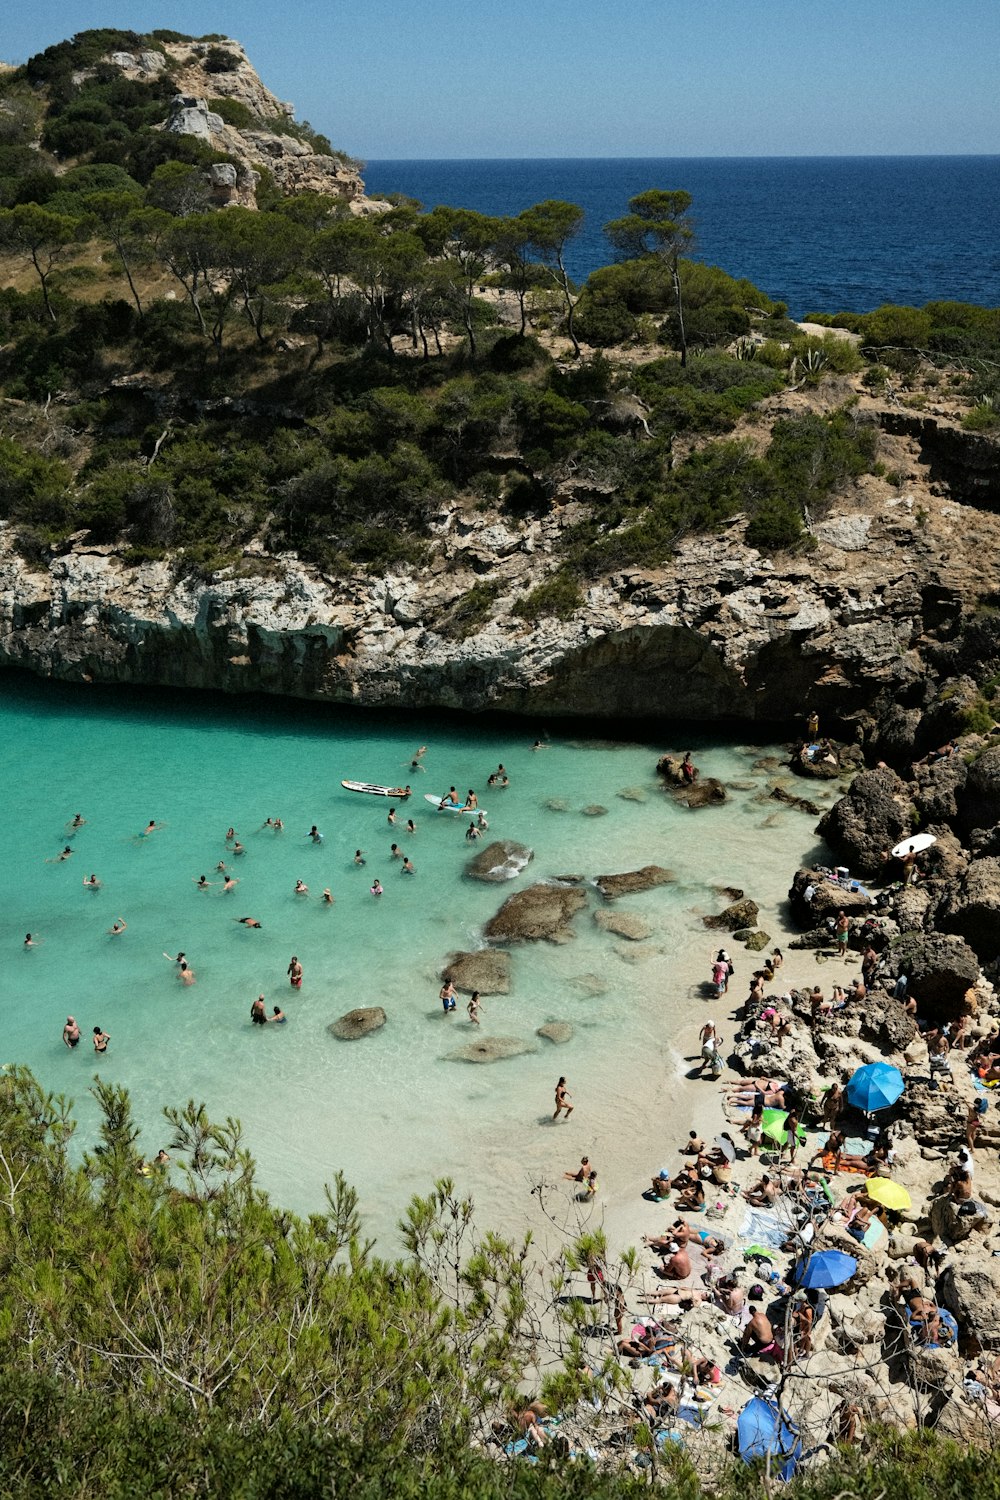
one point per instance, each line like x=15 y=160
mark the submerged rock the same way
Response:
x=502 y=860
x=741 y=914
x=556 y=804
x=490 y=1049
x=555 y=1031
x=624 y=924
x=486 y=970
x=358 y=1023
x=633 y=794
x=595 y=810
x=592 y=985
x=540 y=911
x=803 y=804
x=631 y=882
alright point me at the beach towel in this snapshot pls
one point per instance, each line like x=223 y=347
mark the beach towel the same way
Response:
x=764 y=1227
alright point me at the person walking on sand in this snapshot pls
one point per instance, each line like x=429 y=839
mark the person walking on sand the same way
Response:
x=709 y=1039
x=294 y=972
x=474 y=1007
x=582 y=1172
x=71 y=1033
x=562 y=1100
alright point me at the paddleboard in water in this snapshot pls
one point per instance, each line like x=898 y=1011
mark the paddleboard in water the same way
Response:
x=400 y=793
x=452 y=807
x=917 y=843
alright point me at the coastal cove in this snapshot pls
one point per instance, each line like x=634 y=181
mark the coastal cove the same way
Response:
x=392 y=1111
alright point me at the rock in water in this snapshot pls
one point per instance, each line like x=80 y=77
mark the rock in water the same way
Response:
x=499 y=861
x=624 y=923
x=486 y=970
x=357 y=1023
x=595 y=810
x=632 y=794
x=740 y=914
x=540 y=911
x=631 y=882
x=708 y=791
x=555 y=1031
x=490 y=1049
x=756 y=942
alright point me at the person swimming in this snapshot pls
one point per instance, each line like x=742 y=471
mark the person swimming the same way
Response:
x=185 y=973
x=376 y=887
x=92 y=883
x=279 y=1016
x=247 y=921
x=407 y=868
x=101 y=1039
x=71 y=1033
x=315 y=835
x=230 y=883
x=301 y=889
x=327 y=896
x=411 y=827
x=117 y=927
x=203 y=883
x=151 y=827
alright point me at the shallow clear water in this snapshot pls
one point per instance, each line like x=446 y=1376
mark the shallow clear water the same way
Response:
x=391 y=1110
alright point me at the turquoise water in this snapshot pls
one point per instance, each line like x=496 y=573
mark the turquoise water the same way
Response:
x=391 y=1110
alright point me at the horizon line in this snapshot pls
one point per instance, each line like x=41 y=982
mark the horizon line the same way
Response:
x=743 y=156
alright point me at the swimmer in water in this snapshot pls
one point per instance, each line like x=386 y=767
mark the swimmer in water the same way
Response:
x=407 y=867
x=481 y=820
x=230 y=883
x=301 y=889
x=315 y=835
x=71 y=1033
x=172 y=960
x=78 y=820
x=419 y=754
x=279 y=826
x=31 y=942
x=391 y=818
x=327 y=897
x=258 y=1015
x=151 y=827
x=539 y=745
x=247 y=921
x=239 y=848
x=294 y=972
x=474 y=1007
x=101 y=1039
x=279 y=1016
x=117 y=927
x=185 y=973
x=471 y=833
x=67 y=853
x=203 y=883
x=92 y=883
x=411 y=827
x=377 y=887
x=395 y=851
x=230 y=835
x=359 y=856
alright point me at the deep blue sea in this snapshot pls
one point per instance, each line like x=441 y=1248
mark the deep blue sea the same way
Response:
x=820 y=233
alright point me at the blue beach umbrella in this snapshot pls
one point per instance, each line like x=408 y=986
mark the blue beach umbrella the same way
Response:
x=763 y=1431
x=825 y=1269
x=875 y=1087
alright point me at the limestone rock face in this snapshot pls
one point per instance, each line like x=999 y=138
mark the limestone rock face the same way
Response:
x=489 y=1049
x=938 y=788
x=972 y=908
x=872 y=816
x=502 y=860
x=358 y=1023
x=979 y=799
x=631 y=882
x=191 y=116
x=626 y=924
x=969 y=1287
x=741 y=914
x=539 y=912
x=939 y=969
x=486 y=970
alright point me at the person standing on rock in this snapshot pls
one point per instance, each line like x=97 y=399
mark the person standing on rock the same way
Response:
x=843 y=932
x=812 y=725
x=562 y=1100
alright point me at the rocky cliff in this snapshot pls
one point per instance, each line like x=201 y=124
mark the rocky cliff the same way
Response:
x=869 y=627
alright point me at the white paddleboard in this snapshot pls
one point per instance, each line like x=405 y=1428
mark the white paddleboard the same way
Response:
x=398 y=793
x=916 y=844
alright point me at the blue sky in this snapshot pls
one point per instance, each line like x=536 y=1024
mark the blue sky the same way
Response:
x=425 y=78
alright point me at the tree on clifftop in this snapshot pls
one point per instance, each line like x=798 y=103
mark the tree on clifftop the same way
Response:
x=552 y=225
x=657 y=224
x=42 y=237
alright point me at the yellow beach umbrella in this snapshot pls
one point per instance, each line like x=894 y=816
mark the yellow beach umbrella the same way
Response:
x=889 y=1194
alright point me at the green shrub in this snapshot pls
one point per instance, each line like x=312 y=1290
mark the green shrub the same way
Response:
x=984 y=417
x=470 y=611
x=220 y=60
x=560 y=595
x=776 y=526
x=235 y=113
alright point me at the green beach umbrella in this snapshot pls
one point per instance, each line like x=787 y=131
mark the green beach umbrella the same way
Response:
x=772 y=1124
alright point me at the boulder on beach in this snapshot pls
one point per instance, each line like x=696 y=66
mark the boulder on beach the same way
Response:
x=631 y=882
x=707 y=791
x=489 y=1049
x=486 y=970
x=538 y=912
x=624 y=924
x=741 y=914
x=555 y=1031
x=828 y=898
x=502 y=860
x=358 y=1023
x=969 y=1287
x=873 y=815
x=971 y=909
x=939 y=969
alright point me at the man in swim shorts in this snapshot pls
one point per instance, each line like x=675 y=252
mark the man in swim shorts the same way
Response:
x=71 y=1033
